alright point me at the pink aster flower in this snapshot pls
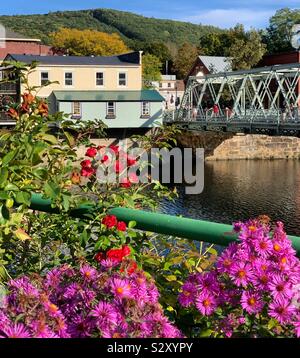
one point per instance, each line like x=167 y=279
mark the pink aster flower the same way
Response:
x=17 y=330
x=251 y=302
x=241 y=273
x=280 y=287
x=206 y=303
x=282 y=310
x=105 y=314
x=263 y=246
x=88 y=272
x=120 y=288
x=187 y=296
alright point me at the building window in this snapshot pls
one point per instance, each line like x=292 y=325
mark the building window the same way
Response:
x=145 y=109
x=69 y=79
x=44 y=78
x=99 y=79
x=76 y=110
x=169 y=85
x=122 y=79
x=160 y=85
x=111 y=110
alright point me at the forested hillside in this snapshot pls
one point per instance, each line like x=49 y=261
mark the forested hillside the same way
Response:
x=132 y=28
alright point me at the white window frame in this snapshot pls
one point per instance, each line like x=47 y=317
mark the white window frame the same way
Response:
x=73 y=109
x=103 y=77
x=148 y=109
x=126 y=79
x=72 y=85
x=109 y=115
x=44 y=71
x=1 y=75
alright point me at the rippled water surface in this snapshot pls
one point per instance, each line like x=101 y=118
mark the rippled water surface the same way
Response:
x=238 y=190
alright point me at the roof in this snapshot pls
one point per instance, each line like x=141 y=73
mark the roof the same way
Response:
x=216 y=64
x=180 y=85
x=105 y=96
x=11 y=35
x=130 y=59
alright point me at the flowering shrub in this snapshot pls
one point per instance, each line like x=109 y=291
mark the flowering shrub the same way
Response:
x=253 y=290
x=84 y=302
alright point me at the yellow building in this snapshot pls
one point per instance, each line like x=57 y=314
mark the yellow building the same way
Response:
x=107 y=88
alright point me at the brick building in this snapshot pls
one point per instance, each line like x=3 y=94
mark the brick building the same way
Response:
x=13 y=42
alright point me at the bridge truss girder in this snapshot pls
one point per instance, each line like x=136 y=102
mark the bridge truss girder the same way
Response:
x=256 y=94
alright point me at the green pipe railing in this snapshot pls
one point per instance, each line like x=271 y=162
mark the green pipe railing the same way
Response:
x=198 y=230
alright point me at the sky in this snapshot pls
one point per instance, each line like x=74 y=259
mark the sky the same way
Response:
x=251 y=13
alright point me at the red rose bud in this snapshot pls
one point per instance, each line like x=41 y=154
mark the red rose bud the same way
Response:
x=121 y=226
x=86 y=164
x=105 y=159
x=110 y=221
x=99 y=257
x=132 y=267
x=125 y=183
x=126 y=250
x=131 y=161
x=91 y=152
x=115 y=149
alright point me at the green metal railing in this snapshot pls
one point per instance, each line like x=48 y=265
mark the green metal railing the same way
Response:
x=198 y=230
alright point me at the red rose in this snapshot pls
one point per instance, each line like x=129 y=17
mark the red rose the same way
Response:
x=105 y=159
x=121 y=226
x=99 y=257
x=119 y=167
x=125 y=183
x=126 y=250
x=110 y=221
x=132 y=267
x=87 y=172
x=131 y=161
x=86 y=164
x=115 y=255
x=91 y=152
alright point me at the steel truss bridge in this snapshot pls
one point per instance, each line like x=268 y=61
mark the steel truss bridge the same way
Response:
x=262 y=100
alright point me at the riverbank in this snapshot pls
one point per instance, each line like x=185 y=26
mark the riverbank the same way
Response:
x=228 y=146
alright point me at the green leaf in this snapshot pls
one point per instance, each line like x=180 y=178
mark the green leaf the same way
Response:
x=4 y=213
x=171 y=278
x=3 y=176
x=4 y=195
x=52 y=190
x=23 y=197
x=131 y=224
x=48 y=138
x=9 y=157
x=11 y=187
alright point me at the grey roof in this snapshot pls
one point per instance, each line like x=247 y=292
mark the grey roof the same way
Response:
x=216 y=64
x=106 y=96
x=9 y=34
x=130 y=59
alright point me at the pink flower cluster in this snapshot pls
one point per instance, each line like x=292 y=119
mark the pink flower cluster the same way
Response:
x=84 y=302
x=257 y=278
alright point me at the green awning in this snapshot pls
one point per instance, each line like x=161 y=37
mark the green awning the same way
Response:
x=105 y=96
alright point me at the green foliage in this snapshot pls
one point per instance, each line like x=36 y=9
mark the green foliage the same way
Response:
x=186 y=56
x=244 y=48
x=151 y=69
x=278 y=34
x=132 y=28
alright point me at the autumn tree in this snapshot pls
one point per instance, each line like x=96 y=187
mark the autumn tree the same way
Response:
x=88 y=42
x=151 y=69
x=186 y=56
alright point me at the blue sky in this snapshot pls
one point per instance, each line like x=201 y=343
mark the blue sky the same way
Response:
x=252 y=13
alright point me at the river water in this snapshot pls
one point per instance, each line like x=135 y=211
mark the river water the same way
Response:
x=242 y=189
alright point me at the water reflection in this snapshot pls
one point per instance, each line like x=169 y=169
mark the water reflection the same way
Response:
x=238 y=190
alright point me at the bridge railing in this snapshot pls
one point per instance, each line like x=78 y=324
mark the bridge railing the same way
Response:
x=198 y=230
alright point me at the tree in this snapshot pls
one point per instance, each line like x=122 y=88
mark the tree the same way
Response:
x=151 y=69
x=212 y=44
x=278 y=35
x=246 y=49
x=185 y=59
x=88 y=42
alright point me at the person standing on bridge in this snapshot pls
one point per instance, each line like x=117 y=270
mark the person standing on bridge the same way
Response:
x=216 y=110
